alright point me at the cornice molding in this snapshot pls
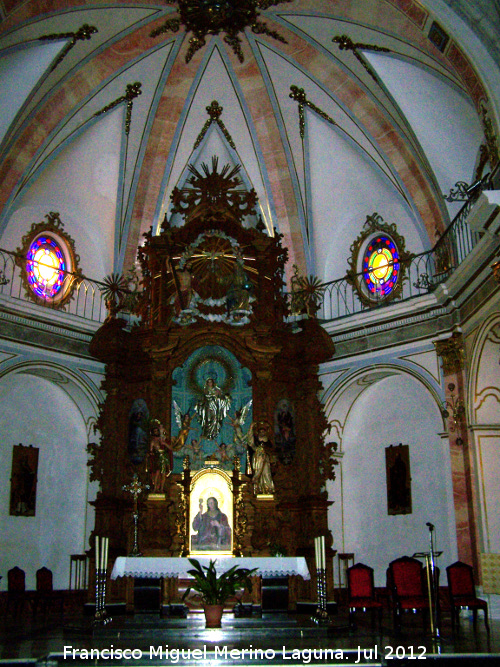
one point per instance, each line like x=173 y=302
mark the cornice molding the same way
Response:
x=37 y=325
x=366 y=330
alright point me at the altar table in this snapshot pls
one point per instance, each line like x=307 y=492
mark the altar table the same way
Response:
x=157 y=567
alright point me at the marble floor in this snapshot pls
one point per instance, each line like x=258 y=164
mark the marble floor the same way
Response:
x=274 y=639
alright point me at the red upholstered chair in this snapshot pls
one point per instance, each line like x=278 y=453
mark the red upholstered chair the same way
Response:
x=361 y=593
x=16 y=590
x=406 y=579
x=462 y=593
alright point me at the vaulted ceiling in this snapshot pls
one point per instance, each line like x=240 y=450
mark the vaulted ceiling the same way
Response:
x=334 y=109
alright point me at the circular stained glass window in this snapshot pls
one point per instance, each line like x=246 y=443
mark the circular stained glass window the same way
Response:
x=378 y=262
x=380 y=266
x=49 y=263
x=46 y=267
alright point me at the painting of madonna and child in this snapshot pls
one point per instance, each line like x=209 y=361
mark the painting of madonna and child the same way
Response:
x=211 y=514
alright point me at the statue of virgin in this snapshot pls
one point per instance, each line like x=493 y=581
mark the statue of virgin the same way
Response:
x=212 y=409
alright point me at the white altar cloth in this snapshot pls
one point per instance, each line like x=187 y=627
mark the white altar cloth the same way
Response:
x=156 y=567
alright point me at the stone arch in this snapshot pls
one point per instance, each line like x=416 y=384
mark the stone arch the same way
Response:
x=372 y=408
x=85 y=396
x=341 y=395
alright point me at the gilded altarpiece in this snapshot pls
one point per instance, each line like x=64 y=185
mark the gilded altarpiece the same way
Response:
x=222 y=380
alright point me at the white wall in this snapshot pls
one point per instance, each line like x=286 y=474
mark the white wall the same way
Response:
x=397 y=409
x=34 y=411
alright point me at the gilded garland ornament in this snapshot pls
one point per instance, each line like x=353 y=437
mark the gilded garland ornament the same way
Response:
x=214 y=110
x=346 y=44
x=85 y=32
x=378 y=262
x=211 y=17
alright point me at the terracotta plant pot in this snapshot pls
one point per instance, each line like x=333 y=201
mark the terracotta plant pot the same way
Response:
x=213 y=615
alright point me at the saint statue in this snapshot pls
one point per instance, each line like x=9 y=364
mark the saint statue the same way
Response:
x=263 y=456
x=212 y=409
x=160 y=457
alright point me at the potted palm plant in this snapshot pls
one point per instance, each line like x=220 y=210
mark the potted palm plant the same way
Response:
x=215 y=589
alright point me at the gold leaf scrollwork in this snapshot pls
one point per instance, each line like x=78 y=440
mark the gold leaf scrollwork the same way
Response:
x=215 y=191
x=327 y=461
x=180 y=516
x=240 y=522
x=452 y=353
x=201 y=19
x=132 y=91
x=491 y=139
x=299 y=95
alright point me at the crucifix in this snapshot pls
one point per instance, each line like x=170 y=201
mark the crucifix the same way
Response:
x=135 y=488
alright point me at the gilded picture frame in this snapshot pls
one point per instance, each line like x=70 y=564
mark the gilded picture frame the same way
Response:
x=211 y=528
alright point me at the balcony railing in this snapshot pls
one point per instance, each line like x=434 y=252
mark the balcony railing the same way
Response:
x=338 y=298
x=87 y=301
x=423 y=272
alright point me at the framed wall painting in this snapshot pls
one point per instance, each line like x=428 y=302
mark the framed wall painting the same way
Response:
x=397 y=466
x=23 y=480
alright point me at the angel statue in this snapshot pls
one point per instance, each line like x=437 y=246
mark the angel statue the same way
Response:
x=184 y=423
x=240 y=439
x=212 y=409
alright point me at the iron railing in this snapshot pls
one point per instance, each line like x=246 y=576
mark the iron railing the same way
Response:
x=423 y=272
x=87 y=300
x=336 y=299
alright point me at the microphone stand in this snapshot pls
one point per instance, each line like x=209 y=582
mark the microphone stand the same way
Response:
x=431 y=582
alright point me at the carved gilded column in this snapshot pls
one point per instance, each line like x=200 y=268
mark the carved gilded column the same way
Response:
x=452 y=355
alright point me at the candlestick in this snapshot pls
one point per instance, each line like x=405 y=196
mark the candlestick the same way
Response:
x=105 y=558
x=135 y=488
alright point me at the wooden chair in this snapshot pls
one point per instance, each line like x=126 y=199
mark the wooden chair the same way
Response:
x=406 y=579
x=462 y=593
x=361 y=593
x=45 y=595
x=16 y=590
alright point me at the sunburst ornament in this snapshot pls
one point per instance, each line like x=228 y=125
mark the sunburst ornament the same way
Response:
x=211 y=17
x=213 y=192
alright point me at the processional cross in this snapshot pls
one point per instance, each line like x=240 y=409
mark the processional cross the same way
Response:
x=135 y=488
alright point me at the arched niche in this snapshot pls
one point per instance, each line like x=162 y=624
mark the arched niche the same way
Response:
x=189 y=380
x=375 y=408
x=49 y=407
